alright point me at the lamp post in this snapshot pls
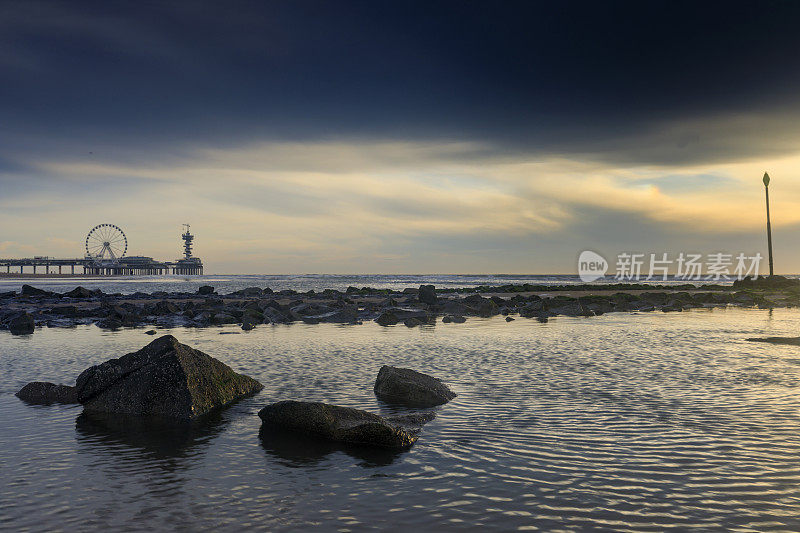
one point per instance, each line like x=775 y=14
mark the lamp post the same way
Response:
x=769 y=227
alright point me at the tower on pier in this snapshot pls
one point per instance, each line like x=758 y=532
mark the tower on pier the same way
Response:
x=187 y=242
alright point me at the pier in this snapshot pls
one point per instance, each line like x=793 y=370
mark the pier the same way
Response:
x=127 y=266
x=106 y=245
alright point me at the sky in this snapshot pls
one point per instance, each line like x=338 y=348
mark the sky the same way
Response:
x=400 y=137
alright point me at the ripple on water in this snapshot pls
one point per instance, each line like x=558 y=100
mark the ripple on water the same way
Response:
x=620 y=422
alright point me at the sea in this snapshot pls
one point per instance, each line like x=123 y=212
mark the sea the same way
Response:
x=621 y=422
x=317 y=282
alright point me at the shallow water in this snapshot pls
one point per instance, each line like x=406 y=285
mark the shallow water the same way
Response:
x=620 y=422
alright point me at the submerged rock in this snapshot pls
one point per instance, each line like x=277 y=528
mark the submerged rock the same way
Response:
x=794 y=341
x=408 y=387
x=166 y=379
x=205 y=289
x=332 y=422
x=43 y=393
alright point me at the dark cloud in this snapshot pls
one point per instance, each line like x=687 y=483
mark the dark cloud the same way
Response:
x=602 y=78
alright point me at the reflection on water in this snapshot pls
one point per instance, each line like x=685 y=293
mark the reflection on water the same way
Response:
x=619 y=422
x=152 y=438
x=295 y=450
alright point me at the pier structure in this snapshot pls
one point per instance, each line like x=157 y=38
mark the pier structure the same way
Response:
x=106 y=245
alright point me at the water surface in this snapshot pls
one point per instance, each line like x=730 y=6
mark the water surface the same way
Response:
x=641 y=422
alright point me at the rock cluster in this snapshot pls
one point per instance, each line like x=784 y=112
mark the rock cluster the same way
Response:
x=353 y=426
x=254 y=306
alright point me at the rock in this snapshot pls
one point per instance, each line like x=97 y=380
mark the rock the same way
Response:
x=247 y=326
x=766 y=282
x=248 y=292
x=109 y=323
x=224 y=318
x=27 y=290
x=387 y=318
x=509 y=319
x=446 y=319
x=164 y=379
x=483 y=307
x=408 y=387
x=165 y=307
x=65 y=310
x=453 y=307
x=793 y=341
x=412 y=322
x=345 y=315
x=7 y=294
x=458 y=319
x=21 y=324
x=205 y=290
x=43 y=393
x=427 y=294
x=79 y=292
x=275 y=316
x=412 y=421
x=150 y=332
x=340 y=424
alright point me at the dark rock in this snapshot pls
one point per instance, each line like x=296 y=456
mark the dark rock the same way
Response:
x=411 y=420
x=408 y=387
x=387 y=318
x=483 y=307
x=340 y=424
x=79 y=292
x=165 y=307
x=793 y=341
x=247 y=326
x=412 y=322
x=248 y=292
x=346 y=315
x=205 y=290
x=65 y=310
x=109 y=323
x=43 y=393
x=7 y=294
x=224 y=318
x=150 y=332
x=274 y=316
x=21 y=323
x=165 y=379
x=532 y=309
x=446 y=319
x=27 y=290
x=310 y=309
x=766 y=282
x=454 y=307
x=509 y=319
x=427 y=294
x=458 y=319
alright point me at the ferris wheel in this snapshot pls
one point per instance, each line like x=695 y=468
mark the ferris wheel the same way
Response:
x=106 y=242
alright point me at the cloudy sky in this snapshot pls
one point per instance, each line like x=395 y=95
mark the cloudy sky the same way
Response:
x=400 y=137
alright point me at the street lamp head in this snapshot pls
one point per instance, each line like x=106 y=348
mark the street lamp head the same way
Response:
x=766 y=179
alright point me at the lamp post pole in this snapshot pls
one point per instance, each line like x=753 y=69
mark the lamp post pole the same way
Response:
x=769 y=227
